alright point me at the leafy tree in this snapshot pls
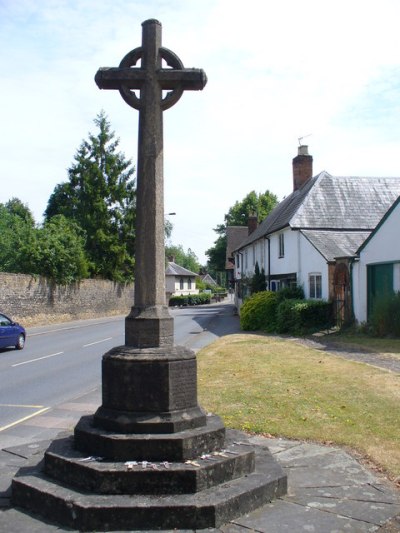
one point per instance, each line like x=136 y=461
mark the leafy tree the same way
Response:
x=17 y=234
x=55 y=250
x=217 y=254
x=187 y=259
x=100 y=197
x=60 y=251
x=260 y=204
x=16 y=207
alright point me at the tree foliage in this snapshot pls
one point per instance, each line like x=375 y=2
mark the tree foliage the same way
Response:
x=55 y=250
x=260 y=204
x=187 y=259
x=17 y=237
x=59 y=253
x=100 y=198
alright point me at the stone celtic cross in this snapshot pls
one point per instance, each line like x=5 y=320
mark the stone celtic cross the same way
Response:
x=149 y=323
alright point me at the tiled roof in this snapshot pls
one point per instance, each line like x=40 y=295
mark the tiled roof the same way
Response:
x=381 y=222
x=346 y=202
x=176 y=270
x=333 y=244
x=328 y=202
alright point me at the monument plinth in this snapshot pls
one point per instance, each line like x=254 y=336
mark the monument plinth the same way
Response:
x=157 y=460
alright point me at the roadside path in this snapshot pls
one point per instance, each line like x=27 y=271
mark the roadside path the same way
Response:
x=381 y=360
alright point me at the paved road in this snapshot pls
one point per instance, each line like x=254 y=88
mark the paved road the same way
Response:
x=61 y=362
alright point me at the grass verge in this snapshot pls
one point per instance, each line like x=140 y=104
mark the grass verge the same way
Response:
x=265 y=384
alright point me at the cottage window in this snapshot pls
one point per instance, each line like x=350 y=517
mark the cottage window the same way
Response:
x=281 y=245
x=275 y=285
x=315 y=283
x=181 y=284
x=189 y=283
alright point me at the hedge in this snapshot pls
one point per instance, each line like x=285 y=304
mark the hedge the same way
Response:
x=301 y=317
x=277 y=312
x=190 y=299
x=259 y=312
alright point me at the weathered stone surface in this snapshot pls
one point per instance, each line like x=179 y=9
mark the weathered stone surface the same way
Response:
x=149 y=327
x=151 y=390
x=179 y=446
x=69 y=466
x=208 y=508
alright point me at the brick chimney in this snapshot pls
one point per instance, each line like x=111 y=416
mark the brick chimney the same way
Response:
x=302 y=167
x=252 y=223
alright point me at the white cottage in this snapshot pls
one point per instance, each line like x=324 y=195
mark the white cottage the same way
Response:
x=376 y=269
x=179 y=281
x=312 y=236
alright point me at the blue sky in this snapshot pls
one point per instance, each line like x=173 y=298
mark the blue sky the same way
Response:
x=276 y=71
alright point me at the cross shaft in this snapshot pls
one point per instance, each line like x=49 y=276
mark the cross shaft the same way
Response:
x=149 y=323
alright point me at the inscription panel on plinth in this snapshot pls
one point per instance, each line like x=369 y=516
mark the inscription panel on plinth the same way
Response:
x=183 y=384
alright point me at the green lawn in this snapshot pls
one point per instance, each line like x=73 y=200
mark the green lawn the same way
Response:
x=268 y=385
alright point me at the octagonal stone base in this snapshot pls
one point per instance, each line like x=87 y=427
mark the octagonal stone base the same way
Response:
x=152 y=390
x=180 y=446
x=55 y=491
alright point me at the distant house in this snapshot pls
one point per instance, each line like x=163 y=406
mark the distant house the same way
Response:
x=235 y=235
x=206 y=278
x=179 y=281
x=311 y=238
x=376 y=269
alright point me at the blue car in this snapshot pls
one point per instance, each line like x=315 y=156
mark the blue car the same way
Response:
x=11 y=333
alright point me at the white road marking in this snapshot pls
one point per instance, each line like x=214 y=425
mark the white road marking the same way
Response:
x=38 y=359
x=97 y=342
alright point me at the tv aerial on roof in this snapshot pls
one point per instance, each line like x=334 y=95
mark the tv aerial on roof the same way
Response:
x=301 y=138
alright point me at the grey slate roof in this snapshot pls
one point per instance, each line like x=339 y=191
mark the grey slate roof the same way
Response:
x=381 y=222
x=176 y=270
x=328 y=202
x=333 y=244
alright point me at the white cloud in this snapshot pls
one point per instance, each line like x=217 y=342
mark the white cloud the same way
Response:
x=276 y=70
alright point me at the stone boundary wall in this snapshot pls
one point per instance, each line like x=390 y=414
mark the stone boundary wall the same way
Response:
x=35 y=300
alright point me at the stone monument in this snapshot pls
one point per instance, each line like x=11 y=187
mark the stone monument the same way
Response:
x=150 y=457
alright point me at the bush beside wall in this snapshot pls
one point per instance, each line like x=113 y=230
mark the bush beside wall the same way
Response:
x=37 y=301
x=275 y=312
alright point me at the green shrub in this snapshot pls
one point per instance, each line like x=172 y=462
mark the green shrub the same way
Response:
x=190 y=299
x=385 y=318
x=301 y=317
x=286 y=316
x=290 y=293
x=259 y=312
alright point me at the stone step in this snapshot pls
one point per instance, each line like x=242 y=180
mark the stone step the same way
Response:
x=179 y=446
x=64 y=463
x=82 y=511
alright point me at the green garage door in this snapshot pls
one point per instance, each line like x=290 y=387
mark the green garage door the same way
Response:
x=380 y=283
